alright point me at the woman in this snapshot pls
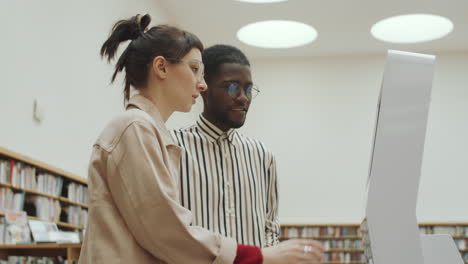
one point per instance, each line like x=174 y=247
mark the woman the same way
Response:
x=134 y=210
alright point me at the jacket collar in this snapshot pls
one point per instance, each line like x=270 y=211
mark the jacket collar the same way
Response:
x=144 y=104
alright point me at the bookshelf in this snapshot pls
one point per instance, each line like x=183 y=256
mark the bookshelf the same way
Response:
x=343 y=241
x=71 y=252
x=46 y=193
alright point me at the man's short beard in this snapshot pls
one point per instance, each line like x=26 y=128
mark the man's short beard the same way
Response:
x=235 y=124
x=224 y=118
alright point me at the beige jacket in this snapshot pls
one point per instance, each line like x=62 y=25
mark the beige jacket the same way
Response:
x=134 y=211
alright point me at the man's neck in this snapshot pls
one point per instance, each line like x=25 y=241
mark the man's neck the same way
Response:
x=213 y=121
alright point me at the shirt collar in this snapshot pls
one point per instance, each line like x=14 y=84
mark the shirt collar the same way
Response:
x=213 y=133
x=144 y=104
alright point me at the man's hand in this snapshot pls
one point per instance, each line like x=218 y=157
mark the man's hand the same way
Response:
x=294 y=251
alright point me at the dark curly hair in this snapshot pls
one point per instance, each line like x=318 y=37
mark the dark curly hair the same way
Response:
x=216 y=55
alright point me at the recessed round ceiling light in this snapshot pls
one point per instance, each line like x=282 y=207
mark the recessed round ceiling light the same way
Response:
x=261 y=1
x=413 y=28
x=277 y=34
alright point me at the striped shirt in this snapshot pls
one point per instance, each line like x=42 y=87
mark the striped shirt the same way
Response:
x=229 y=183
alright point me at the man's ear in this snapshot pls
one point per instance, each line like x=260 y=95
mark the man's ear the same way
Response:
x=159 y=67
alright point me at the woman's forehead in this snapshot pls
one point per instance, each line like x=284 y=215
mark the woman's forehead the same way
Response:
x=193 y=54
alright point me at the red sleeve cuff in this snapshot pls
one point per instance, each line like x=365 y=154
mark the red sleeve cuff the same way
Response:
x=248 y=255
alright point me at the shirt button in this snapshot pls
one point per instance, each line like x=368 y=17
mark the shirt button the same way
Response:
x=228 y=184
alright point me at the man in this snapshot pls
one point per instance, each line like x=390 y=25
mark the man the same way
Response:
x=228 y=180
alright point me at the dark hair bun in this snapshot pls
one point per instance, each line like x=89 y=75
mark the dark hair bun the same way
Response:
x=144 y=22
x=123 y=30
x=137 y=25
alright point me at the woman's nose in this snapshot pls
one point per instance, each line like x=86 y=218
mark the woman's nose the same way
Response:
x=202 y=86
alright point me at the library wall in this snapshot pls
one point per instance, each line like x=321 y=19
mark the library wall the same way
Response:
x=52 y=54
x=326 y=109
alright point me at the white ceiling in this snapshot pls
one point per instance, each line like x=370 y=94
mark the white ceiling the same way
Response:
x=343 y=25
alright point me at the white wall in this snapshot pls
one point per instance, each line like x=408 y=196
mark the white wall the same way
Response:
x=318 y=116
x=50 y=50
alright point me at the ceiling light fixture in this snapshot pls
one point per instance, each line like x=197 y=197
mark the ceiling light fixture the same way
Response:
x=262 y=1
x=412 y=28
x=277 y=34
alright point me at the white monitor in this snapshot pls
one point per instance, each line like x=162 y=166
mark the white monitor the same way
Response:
x=390 y=231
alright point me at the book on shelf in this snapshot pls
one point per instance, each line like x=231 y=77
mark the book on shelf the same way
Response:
x=16 y=228
x=36 y=260
x=461 y=243
x=42 y=231
x=4 y=171
x=320 y=231
x=344 y=257
x=77 y=192
x=75 y=215
x=66 y=237
x=41 y=193
x=347 y=243
x=11 y=200
x=455 y=230
x=43 y=207
x=50 y=207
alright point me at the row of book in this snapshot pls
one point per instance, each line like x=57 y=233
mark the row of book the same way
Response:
x=344 y=257
x=323 y=231
x=10 y=200
x=16 y=228
x=456 y=231
x=76 y=215
x=36 y=260
x=77 y=192
x=5 y=172
x=51 y=210
x=17 y=173
x=342 y=244
x=461 y=243
x=43 y=207
x=21 y=175
x=331 y=231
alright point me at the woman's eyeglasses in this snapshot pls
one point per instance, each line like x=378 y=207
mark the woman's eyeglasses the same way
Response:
x=197 y=67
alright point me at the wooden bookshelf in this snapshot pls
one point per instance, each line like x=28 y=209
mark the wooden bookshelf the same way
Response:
x=337 y=238
x=59 y=198
x=68 y=251
x=68 y=201
x=59 y=224
x=39 y=164
x=71 y=252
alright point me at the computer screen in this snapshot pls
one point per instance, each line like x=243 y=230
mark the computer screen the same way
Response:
x=390 y=230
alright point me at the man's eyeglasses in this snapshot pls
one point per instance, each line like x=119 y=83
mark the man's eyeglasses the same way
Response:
x=234 y=90
x=197 y=67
